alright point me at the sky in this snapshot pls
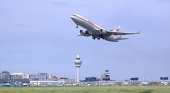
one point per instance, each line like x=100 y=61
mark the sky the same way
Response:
x=39 y=36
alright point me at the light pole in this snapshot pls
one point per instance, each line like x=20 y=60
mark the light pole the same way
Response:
x=1 y=74
x=47 y=74
x=47 y=77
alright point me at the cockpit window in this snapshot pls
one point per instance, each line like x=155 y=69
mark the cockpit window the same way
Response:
x=74 y=15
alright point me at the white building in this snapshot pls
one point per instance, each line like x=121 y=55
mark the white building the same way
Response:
x=19 y=75
x=26 y=76
x=50 y=76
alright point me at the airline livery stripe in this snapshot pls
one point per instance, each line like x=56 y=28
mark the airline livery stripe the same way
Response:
x=88 y=22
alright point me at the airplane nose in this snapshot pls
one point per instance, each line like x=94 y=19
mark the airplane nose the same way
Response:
x=72 y=17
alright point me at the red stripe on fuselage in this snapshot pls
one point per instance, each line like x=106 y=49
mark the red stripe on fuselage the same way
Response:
x=87 y=22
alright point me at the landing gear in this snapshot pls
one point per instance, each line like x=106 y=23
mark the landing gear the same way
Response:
x=93 y=37
x=96 y=37
x=77 y=26
x=101 y=30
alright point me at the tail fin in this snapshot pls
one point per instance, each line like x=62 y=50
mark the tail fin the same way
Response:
x=117 y=29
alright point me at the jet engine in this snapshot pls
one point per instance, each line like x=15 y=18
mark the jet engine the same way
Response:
x=83 y=33
x=86 y=32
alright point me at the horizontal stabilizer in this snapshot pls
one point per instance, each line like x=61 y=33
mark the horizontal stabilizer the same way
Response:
x=122 y=38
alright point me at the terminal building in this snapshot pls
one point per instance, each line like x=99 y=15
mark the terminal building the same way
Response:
x=42 y=77
x=12 y=80
x=21 y=79
x=104 y=77
x=90 y=79
x=38 y=76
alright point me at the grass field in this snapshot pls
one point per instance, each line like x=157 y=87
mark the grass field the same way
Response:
x=88 y=89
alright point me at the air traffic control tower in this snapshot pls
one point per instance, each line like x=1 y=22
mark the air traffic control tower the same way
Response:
x=77 y=64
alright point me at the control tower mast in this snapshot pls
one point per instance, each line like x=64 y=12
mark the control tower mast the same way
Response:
x=77 y=64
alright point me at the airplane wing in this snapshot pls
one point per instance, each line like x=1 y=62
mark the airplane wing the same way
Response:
x=80 y=34
x=122 y=33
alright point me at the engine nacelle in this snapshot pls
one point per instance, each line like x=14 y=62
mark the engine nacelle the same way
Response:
x=86 y=32
x=83 y=33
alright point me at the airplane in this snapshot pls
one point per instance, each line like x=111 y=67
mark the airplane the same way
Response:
x=97 y=32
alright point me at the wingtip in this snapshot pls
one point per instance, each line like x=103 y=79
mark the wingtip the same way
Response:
x=138 y=32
